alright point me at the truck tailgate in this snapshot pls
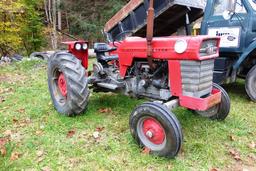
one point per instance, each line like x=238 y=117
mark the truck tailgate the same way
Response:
x=170 y=15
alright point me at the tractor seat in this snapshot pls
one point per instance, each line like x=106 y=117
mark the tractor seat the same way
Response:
x=103 y=48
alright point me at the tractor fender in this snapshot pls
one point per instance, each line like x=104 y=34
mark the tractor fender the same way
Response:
x=244 y=55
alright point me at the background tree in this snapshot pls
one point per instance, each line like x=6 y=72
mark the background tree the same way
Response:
x=27 y=25
x=51 y=12
x=11 y=22
x=86 y=19
x=32 y=30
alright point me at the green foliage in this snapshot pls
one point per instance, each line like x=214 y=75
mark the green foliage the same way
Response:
x=88 y=19
x=20 y=26
x=32 y=30
x=11 y=22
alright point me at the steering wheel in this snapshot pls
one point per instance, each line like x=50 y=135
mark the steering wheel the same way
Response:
x=119 y=36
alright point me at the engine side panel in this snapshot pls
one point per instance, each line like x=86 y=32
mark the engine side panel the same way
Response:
x=163 y=49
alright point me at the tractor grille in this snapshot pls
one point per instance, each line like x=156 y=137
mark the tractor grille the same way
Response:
x=197 y=77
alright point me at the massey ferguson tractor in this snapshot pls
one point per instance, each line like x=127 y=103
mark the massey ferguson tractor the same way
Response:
x=169 y=71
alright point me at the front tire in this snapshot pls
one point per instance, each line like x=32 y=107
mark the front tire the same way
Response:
x=68 y=84
x=250 y=84
x=153 y=126
x=219 y=111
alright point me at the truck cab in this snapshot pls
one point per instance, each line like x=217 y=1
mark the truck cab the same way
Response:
x=235 y=22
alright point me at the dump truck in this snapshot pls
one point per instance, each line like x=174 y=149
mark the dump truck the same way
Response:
x=170 y=15
x=232 y=20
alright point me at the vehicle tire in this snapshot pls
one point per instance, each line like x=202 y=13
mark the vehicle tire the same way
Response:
x=154 y=127
x=250 y=84
x=219 y=111
x=68 y=84
x=39 y=55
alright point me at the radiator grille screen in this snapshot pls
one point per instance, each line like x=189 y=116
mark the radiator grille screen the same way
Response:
x=197 y=77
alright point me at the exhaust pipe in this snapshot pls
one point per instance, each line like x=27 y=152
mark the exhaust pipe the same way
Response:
x=108 y=86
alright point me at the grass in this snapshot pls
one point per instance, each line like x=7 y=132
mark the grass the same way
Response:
x=38 y=134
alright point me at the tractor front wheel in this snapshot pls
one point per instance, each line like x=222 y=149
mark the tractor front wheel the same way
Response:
x=154 y=127
x=68 y=84
x=221 y=110
x=250 y=84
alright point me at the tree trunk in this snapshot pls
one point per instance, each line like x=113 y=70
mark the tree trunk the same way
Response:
x=46 y=11
x=67 y=21
x=50 y=10
x=59 y=15
x=54 y=24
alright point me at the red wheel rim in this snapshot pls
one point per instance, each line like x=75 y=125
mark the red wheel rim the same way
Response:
x=153 y=130
x=62 y=85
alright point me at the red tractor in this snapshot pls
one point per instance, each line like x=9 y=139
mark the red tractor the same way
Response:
x=170 y=71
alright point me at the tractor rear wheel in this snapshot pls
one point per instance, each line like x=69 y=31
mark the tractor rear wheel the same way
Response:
x=68 y=84
x=250 y=84
x=154 y=127
x=221 y=110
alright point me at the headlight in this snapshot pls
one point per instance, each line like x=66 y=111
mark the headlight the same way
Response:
x=180 y=46
x=78 y=46
x=85 y=46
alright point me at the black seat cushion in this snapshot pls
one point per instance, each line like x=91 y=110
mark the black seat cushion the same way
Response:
x=103 y=47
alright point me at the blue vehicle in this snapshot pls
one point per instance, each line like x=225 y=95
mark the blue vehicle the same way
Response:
x=235 y=22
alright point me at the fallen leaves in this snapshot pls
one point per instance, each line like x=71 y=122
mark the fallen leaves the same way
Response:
x=39 y=132
x=40 y=153
x=21 y=110
x=73 y=162
x=252 y=145
x=6 y=90
x=21 y=123
x=2 y=99
x=14 y=120
x=146 y=150
x=40 y=156
x=232 y=138
x=46 y=168
x=15 y=156
x=3 y=151
x=100 y=129
x=3 y=142
x=214 y=169
x=252 y=157
x=105 y=110
x=96 y=135
x=7 y=133
x=71 y=133
x=235 y=154
x=12 y=78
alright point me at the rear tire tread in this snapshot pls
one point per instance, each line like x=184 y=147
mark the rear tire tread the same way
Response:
x=77 y=84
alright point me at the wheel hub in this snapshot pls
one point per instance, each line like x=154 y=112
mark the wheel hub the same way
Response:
x=153 y=130
x=62 y=85
x=149 y=134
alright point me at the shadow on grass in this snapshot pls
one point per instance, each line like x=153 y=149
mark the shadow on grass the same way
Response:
x=113 y=101
x=122 y=106
x=237 y=90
